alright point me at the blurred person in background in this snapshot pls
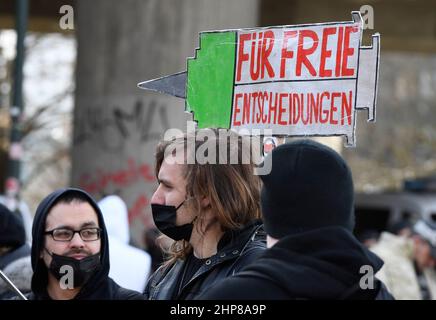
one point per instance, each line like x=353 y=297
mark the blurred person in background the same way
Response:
x=22 y=209
x=409 y=252
x=14 y=254
x=424 y=237
x=395 y=247
x=156 y=245
x=130 y=266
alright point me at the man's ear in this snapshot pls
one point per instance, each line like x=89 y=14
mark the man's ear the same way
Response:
x=205 y=202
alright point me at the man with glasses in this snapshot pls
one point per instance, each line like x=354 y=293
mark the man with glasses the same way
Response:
x=70 y=252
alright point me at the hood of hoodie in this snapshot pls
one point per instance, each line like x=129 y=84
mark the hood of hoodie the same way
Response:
x=318 y=264
x=40 y=271
x=116 y=217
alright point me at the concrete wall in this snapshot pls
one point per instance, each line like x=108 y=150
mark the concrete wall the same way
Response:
x=117 y=125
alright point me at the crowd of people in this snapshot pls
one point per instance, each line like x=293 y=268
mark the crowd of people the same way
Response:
x=229 y=234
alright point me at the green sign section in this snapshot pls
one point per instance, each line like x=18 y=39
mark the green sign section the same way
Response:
x=210 y=79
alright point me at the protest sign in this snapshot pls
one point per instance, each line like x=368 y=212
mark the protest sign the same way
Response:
x=302 y=80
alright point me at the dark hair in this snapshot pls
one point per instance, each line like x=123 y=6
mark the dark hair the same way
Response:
x=398 y=226
x=71 y=196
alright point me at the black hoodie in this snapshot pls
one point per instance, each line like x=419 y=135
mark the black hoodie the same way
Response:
x=324 y=263
x=99 y=286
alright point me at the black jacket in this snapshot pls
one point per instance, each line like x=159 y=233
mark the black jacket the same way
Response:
x=100 y=286
x=236 y=249
x=324 y=263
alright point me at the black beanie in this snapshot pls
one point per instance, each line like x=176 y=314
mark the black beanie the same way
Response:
x=309 y=187
x=12 y=232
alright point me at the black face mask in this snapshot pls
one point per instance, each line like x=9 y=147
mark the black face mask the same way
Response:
x=82 y=269
x=165 y=220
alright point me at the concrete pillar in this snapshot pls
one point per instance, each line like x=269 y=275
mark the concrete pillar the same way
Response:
x=117 y=125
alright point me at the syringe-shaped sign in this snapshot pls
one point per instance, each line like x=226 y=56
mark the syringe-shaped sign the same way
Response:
x=302 y=80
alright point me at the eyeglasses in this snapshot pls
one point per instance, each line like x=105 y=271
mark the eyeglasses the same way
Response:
x=65 y=234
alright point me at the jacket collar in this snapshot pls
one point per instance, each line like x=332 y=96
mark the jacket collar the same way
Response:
x=230 y=247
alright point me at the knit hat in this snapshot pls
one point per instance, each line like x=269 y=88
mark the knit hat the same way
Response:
x=12 y=232
x=309 y=187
